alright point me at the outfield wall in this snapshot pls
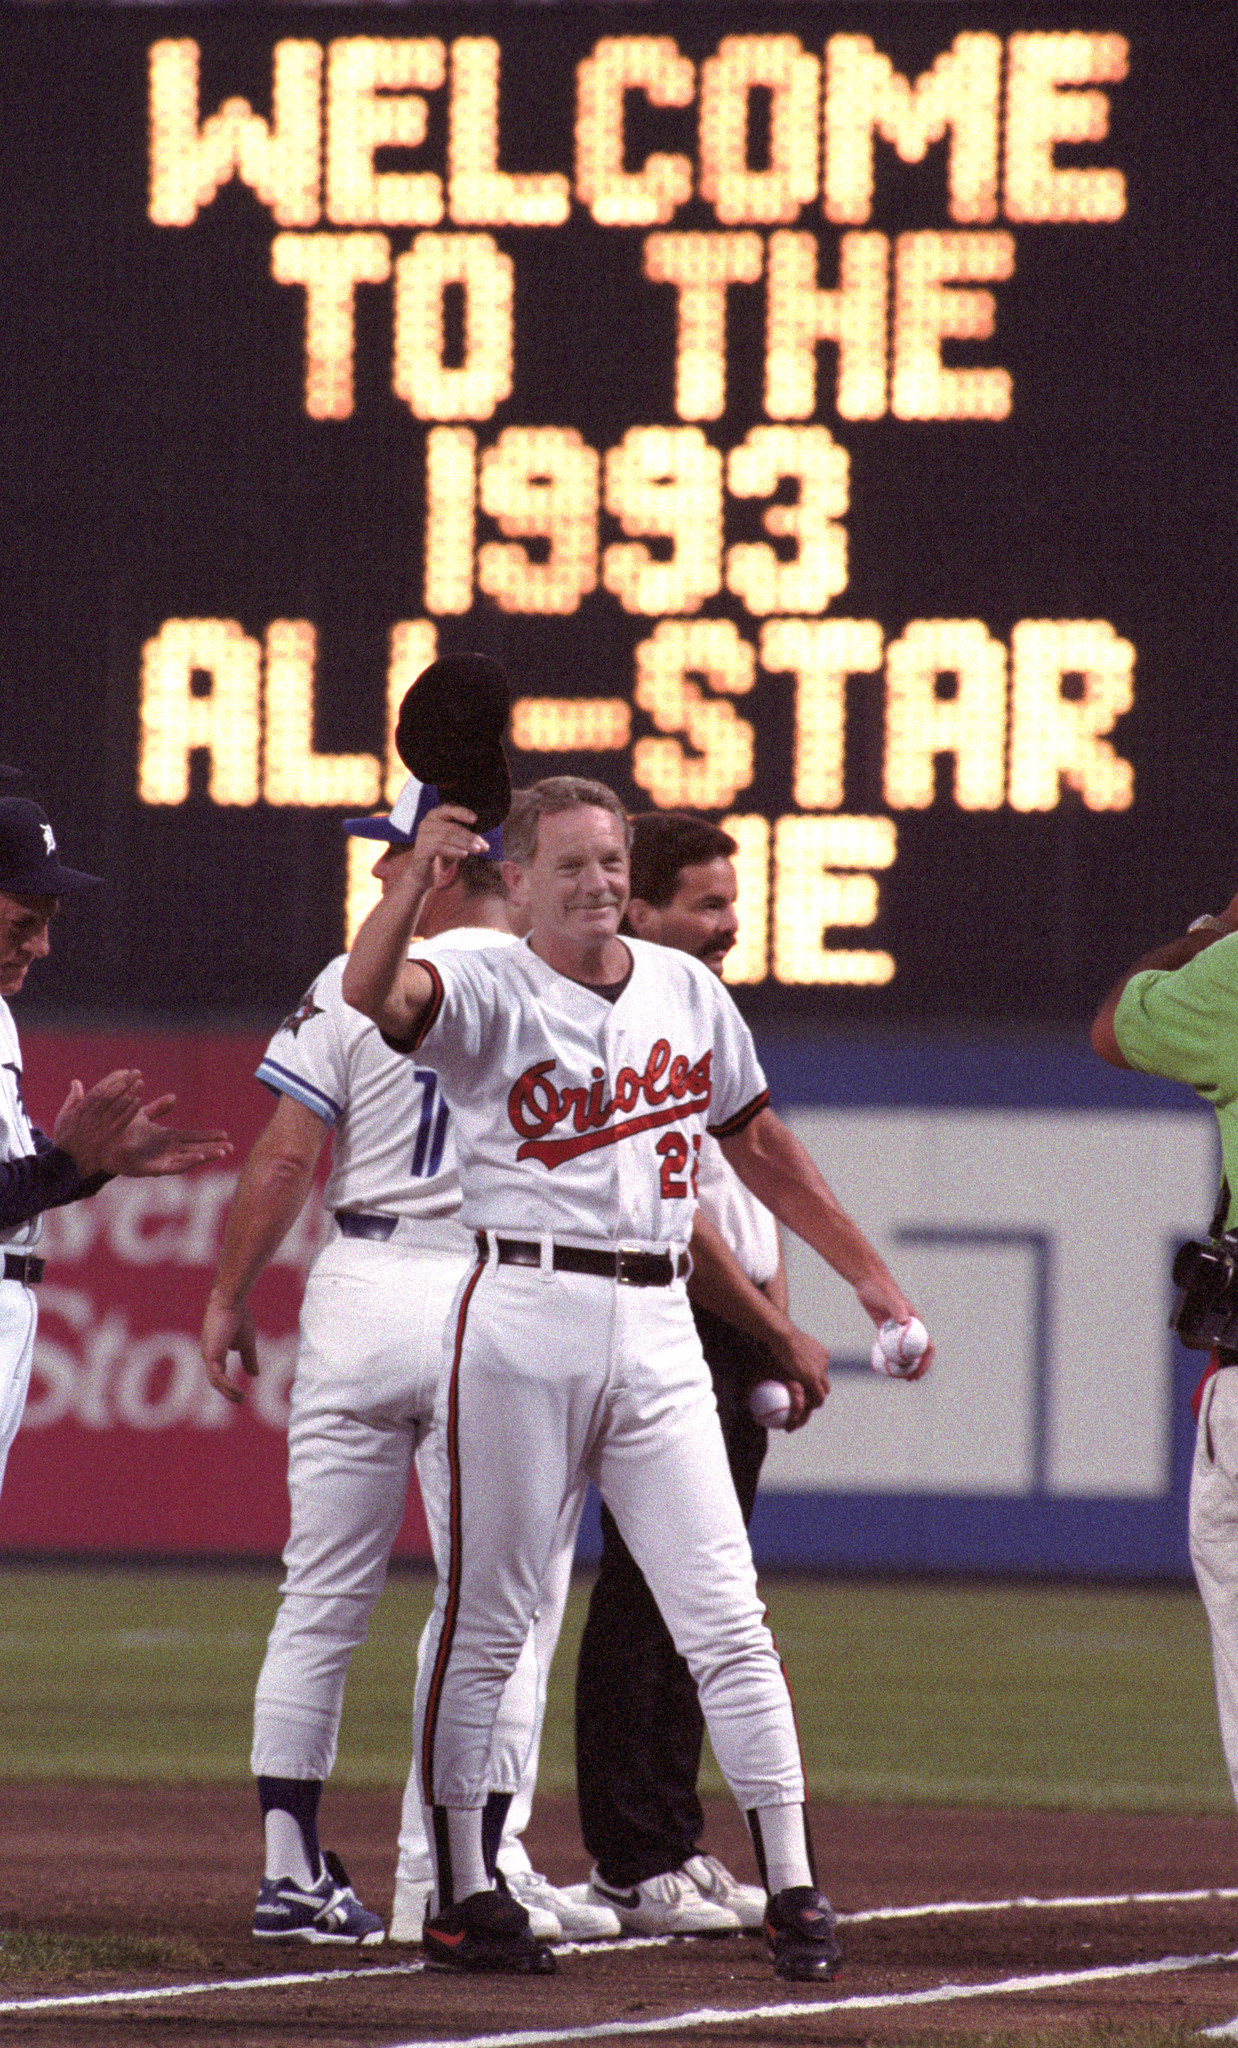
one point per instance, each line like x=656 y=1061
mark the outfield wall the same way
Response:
x=1029 y=1198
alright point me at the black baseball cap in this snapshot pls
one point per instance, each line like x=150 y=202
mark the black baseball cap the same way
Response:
x=449 y=732
x=29 y=862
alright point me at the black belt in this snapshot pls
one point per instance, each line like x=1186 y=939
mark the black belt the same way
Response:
x=365 y=1223
x=630 y=1269
x=24 y=1266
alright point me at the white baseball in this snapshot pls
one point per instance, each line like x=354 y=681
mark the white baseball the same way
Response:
x=770 y=1404
x=898 y=1347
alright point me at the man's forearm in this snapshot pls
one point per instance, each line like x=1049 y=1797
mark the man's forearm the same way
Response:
x=719 y=1284
x=776 y=1286
x=270 y=1195
x=773 y=1163
x=378 y=979
x=44 y=1179
x=374 y=969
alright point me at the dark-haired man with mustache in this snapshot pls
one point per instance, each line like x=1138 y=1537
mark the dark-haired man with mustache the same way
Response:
x=638 y=1721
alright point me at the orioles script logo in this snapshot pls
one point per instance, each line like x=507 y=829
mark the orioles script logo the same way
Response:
x=670 y=1087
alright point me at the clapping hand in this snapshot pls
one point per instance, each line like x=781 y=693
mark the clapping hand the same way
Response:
x=108 y=1129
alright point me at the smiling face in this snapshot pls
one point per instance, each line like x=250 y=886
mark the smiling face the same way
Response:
x=23 y=936
x=574 y=889
x=699 y=919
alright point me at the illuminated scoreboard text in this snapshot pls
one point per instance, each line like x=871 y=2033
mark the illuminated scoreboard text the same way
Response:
x=772 y=397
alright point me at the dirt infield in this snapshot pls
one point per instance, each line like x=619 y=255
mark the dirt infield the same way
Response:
x=91 y=1861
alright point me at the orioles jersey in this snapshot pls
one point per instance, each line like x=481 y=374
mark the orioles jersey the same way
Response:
x=578 y=1116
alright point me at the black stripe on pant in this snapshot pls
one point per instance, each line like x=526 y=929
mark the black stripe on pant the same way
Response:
x=639 y=1726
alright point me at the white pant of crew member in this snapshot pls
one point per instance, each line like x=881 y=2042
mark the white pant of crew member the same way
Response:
x=560 y=1377
x=371 y=1344
x=1213 y=1525
x=18 y=1318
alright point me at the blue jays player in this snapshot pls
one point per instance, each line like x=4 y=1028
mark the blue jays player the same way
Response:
x=372 y=1323
x=583 y=1070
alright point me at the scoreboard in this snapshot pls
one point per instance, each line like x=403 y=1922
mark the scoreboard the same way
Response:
x=825 y=413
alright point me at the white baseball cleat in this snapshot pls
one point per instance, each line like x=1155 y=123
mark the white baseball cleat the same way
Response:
x=668 y=1904
x=543 y=1924
x=408 y=1913
x=714 y=1881
x=576 y=1919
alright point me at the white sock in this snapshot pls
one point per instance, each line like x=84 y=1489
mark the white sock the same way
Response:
x=286 y=1853
x=784 y=1841
x=468 y=1863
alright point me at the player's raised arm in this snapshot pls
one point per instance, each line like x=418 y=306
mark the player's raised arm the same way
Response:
x=773 y=1163
x=379 y=978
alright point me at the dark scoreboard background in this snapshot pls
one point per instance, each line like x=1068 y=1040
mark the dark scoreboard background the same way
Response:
x=214 y=510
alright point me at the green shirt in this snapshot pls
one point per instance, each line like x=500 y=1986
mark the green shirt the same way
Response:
x=1182 y=1023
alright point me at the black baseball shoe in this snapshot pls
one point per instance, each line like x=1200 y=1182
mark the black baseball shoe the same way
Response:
x=799 y=1928
x=486 y=1931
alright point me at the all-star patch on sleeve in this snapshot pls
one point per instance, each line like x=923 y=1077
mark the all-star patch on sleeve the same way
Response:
x=306 y=1057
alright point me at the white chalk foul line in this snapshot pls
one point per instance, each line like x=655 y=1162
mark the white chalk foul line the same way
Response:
x=937 y=1994
x=934 y=1909
x=157 y=1991
x=1080 y=1903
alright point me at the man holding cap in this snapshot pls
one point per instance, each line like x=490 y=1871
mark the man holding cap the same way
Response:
x=376 y=1303
x=99 y=1131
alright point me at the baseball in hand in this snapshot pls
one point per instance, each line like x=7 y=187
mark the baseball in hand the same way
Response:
x=770 y=1404
x=899 y=1347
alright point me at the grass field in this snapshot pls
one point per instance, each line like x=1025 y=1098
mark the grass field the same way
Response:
x=1036 y=1696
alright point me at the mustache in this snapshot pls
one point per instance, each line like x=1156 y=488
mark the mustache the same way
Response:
x=722 y=944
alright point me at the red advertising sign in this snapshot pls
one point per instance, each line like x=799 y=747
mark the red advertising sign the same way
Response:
x=125 y=1446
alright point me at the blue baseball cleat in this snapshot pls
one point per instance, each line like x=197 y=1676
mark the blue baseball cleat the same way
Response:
x=326 y=1911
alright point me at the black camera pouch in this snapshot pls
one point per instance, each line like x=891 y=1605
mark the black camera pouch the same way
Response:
x=1205 y=1310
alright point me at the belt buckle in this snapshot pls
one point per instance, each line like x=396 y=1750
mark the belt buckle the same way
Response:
x=635 y=1269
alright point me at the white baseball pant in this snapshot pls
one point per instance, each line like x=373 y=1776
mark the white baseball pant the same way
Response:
x=516 y=1741
x=556 y=1378
x=1213 y=1525
x=371 y=1346
x=18 y=1319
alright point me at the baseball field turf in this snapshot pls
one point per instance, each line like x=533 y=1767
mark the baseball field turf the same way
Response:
x=1041 y=1696
x=1049 y=1752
